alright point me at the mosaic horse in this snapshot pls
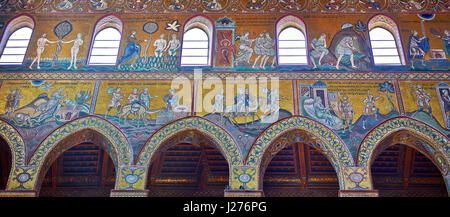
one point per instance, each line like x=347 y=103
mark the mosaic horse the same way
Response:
x=139 y=112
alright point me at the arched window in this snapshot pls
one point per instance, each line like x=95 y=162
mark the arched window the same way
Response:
x=384 y=48
x=291 y=47
x=15 y=40
x=385 y=41
x=197 y=42
x=106 y=43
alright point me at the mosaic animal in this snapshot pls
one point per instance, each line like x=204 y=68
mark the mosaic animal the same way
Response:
x=138 y=111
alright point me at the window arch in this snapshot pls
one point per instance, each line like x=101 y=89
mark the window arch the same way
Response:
x=106 y=41
x=15 y=40
x=291 y=41
x=385 y=41
x=196 y=48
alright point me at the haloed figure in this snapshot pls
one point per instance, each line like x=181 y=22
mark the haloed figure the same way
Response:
x=74 y=50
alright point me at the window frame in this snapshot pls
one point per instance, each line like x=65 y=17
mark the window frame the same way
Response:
x=305 y=47
x=209 y=53
x=14 y=24
x=92 y=47
x=6 y=43
x=389 y=24
x=104 y=22
x=396 y=47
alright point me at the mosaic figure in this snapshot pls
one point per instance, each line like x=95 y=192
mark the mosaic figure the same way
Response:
x=64 y=5
x=244 y=48
x=26 y=4
x=160 y=45
x=74 y=50
x=213 y=5
x=138 y=107
x=41 y=44
x=271 y=106
x=346 y=47
x=259 y=49
x=417 y=47
x=334 y=5
x=171 y=100
x=346 y=110
x=98 y=4
x=413 y=4
x=225 y=47
x=422 y=98
x=115 y=100
x=132 y=51
x=137 y=4
x=176 y=5
x=269 y=51
x=445 y=97
x=445 y=39
x=173 y=46
x=133 y=97
x=218 y=101
x=323 y=113
x=3 y=3
x=12 y=102
x=145 y=97
x=370 y=108
x=218 y=106
x=319 y=49
x=255 y=4
x=291 y=5
x=371 y=4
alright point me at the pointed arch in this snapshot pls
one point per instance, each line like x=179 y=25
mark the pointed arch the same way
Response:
x=439 y=142
x=330 y=139
x=224 y=141
x=111 y=132
x=115 y=137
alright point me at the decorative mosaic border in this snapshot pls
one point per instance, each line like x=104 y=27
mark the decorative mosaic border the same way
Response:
x=219 y=135
x=438 y=140
x=331 y=141
x=14 y=141
x=228 y=6
x=222 y=75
